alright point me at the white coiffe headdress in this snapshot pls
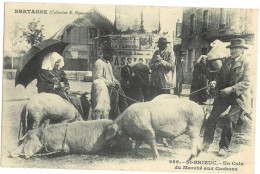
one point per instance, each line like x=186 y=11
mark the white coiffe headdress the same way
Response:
x=50 y=59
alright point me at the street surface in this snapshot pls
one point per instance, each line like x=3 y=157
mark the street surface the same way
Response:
x=15 y=98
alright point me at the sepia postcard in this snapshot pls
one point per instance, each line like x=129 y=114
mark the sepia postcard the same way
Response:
x=129 y=88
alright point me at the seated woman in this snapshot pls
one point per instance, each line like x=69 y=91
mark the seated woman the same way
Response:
x=51 y=77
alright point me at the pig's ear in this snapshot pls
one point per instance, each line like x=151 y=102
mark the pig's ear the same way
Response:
x=32 y=146
x=23 y=139
x=111 y=131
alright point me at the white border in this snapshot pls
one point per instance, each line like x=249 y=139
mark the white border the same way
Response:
x=179 y=3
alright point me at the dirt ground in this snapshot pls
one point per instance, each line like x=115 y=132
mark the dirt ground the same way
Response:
x=13 y=102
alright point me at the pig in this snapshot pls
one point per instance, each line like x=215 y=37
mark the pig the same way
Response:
x=165 y=141
x=164 y=96
x=44 y=108
x=86 y=137
x=100 y=100
x=165 y=118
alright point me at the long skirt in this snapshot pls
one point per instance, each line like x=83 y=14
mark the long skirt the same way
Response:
x=198 y=82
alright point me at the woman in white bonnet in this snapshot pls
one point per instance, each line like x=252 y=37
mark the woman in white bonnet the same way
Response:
x=52 y=79
x=51 y=75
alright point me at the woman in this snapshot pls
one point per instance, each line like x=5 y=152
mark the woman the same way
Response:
x=51 y=75
x=52 y=79
x=199 y=81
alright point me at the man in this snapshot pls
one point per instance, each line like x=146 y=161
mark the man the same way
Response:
x=163 y=65
x=233 y=83
x=135 y=82
x=141 y=81
x=103 y=70
x=179 y=73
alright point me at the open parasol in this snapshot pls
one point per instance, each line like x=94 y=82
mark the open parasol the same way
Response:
x=31 y=62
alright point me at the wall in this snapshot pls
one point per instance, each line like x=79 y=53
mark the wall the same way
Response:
x=230 y=24
x=79 y=54
x=192 y=41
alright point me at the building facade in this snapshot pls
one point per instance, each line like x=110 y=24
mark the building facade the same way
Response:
x=78 y=56
x=201 y=26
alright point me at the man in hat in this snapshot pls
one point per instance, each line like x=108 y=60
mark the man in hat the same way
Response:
x=233 y=84
x=163 y=65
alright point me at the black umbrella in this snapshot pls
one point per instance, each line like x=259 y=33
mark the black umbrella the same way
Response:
x=31 y=62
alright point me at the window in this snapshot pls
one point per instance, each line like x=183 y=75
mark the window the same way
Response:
x=205 y=20
x=227 y=18
x=178 y=30
x=222 y=18
x=74 y=35
x=92 y=35
x=217 y=19
x=83 y=32
x=192 y=23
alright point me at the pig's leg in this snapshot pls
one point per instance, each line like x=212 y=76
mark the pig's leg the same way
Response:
x=135 y=152
x=150 y=137
x=153 y=145
x=195 y=142
x=165 y=143
x=36 y=118
x=137 y=145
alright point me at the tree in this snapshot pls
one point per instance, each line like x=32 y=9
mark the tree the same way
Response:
x=17 y=38
x=33 y=33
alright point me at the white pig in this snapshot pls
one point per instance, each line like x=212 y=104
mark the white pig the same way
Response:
x=165 y=118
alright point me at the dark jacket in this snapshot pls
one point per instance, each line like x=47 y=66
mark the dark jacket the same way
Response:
x=141 y=77
x=47 y=79
x=237 y=76
x=199 y=81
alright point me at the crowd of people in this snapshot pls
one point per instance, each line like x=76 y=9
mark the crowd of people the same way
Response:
x=232 y=84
